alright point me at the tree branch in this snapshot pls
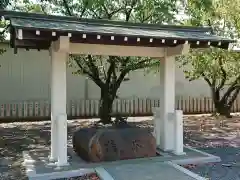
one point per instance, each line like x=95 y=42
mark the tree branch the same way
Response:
x=110 y=14
x=116 y=11
x=4 y=30
x=43 y=9
x=116 y=85
x=92 y=66
x=146 y=18
x=114 y=78
x=83 y=69
x=95 y=78
x=207 y=80
x=128 y=12
x=67 y=8
x=139 y=65
x=83 y=11
x=104 y=72
x=126 y=70
x=224 y=75
x=110 y=69
x=95 y=14
x=234 y=96
x=84 y=8
x=215 y=95
x=106 y=11
x=231 y=88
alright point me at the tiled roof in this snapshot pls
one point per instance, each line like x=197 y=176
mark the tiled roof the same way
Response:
x=60 y=25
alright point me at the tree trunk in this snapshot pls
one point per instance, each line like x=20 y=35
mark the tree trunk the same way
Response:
x=221 y=105
x=105 y=108
x=223 y=108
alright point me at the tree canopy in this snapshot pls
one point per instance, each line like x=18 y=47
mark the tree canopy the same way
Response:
x=219 y=68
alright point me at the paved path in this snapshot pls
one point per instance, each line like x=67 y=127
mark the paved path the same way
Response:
x=220 y=171
x=147 y=171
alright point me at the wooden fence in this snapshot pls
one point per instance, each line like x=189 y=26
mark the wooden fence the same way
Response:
x=40 y=109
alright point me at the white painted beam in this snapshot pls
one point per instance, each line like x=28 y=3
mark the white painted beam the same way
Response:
x=115 y=50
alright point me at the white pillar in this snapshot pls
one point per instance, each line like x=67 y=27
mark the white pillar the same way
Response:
x=178 y=133
x=167 y=101
x=58 y=102
x=54 y=66
x=157 y=125
x=62 y=140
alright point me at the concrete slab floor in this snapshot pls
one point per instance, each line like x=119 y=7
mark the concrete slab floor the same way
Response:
x=38 y=166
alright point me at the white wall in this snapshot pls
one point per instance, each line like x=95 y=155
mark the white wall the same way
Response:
x=26 y=76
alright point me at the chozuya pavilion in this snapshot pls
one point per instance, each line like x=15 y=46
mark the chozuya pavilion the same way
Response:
x=68 y=35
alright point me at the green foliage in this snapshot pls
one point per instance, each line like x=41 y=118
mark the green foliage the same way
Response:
x=3 y=3
x=27 y=6
x=110 y=71
x=219 y=68
x=211 y=61
x=212 y=64
x=125 y=10
x=2 y=35
x=199 y=11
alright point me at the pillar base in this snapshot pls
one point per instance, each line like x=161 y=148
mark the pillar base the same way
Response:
x=52 y=159
x=59 y=164
x=62 y=140
x=179 y=153
x=169 y=139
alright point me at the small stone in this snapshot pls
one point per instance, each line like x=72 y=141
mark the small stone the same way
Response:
x=227 y=165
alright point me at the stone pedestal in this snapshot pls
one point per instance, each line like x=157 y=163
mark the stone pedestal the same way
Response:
x=110 y=144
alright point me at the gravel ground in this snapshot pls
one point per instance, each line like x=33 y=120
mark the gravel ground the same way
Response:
x=227 y=169
x=219 y=136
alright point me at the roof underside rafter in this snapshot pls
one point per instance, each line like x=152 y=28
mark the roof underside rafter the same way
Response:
x=37 y=31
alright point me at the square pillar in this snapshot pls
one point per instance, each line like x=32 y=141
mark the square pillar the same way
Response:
x=178 y=133
x=58 y=107
x=157 y=125
x=167 y=102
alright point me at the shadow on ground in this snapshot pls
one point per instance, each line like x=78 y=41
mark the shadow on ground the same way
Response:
x=18 y=137
x=227 y=169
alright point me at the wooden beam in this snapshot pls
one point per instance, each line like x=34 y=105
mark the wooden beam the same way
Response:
x=31 y=40
x=43 y=36
x=115 y=50
x=27 y=44
x=94 y=39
